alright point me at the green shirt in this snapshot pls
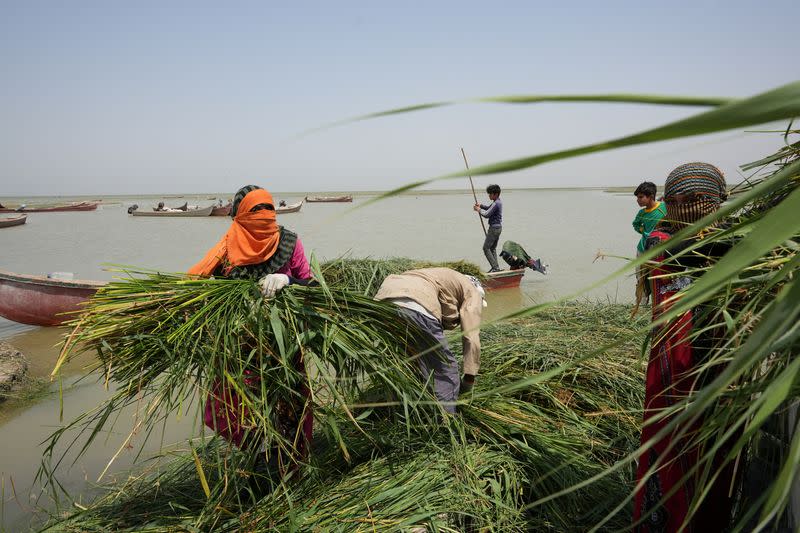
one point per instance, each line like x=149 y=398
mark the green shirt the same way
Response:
x=646 y=221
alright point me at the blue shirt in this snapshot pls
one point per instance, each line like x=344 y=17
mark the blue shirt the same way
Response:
x=494 y=212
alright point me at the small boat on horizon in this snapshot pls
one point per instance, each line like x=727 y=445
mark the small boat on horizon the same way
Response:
x=42 y=301
x=289 y=208
x=347 y=198
x=77 y=206
x=199 y=212
x=7 y=222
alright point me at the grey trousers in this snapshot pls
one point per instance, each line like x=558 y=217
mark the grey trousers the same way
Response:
x=490 y=245
x=442 y=366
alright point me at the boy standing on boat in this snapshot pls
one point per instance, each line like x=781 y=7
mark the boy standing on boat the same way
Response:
x=494 y=212
x=437 y=299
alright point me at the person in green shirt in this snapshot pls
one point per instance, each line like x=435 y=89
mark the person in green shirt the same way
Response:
x=650 y=213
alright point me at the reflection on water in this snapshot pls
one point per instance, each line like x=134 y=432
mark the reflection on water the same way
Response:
x=564 y=228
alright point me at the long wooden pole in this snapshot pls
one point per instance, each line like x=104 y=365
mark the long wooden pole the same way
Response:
x=473 y=189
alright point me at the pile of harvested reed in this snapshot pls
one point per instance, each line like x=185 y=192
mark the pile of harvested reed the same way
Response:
x=477 y=471
x=160 y=338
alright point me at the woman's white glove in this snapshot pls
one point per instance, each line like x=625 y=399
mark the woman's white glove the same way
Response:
x=272 y=283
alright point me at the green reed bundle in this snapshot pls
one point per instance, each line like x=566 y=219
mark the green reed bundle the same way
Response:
x=365 y=275
x=448 y=485
x=160 y=338
x=476 y=470
x=575 y=425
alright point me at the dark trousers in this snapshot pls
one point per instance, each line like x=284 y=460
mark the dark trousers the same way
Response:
x=490 y=245
x=439 y=367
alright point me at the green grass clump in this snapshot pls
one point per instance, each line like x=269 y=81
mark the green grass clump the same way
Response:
x=366 y=275
x=484 y=469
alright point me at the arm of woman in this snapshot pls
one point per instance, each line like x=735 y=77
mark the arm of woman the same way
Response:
x=299 y=269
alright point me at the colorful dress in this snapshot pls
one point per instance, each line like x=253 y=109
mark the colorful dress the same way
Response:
x=223 y=411
x=663 y=503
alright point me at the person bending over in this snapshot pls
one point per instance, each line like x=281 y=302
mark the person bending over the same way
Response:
x=437 y=299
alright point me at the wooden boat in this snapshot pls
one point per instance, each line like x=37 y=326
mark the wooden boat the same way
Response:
x=347 y=198
x=40 y=301
x=201 y=212
x=223 y=211
x=79 y=206
x=12 y=221
x=289 y=208
x=505 y=279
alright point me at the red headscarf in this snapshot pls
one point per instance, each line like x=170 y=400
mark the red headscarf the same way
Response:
x=252 y=238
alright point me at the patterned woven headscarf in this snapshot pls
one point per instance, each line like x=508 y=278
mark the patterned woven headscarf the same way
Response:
x=692 y=191
x=239 y=196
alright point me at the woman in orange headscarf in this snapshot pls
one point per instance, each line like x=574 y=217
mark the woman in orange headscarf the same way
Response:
x=255 y=247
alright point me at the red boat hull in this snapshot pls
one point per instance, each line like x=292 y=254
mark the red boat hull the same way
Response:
x=505 y=279
x=40 y=301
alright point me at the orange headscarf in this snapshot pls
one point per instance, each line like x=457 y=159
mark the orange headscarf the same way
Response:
x=252 y=238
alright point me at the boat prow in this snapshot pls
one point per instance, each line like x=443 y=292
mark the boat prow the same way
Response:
x=505 y=279
x=42 y=301
x=7 y=222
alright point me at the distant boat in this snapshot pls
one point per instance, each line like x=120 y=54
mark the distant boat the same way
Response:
x=40 y=301
x=289 y=208
x=79 y=206
x=347 y=198
x=223 y=211
x=199 y=212
x=12 y=221
x=505 y=279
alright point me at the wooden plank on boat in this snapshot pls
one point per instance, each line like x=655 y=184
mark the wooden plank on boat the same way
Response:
x=42 y=301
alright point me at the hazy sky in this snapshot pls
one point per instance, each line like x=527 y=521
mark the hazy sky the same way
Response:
x=156 y=97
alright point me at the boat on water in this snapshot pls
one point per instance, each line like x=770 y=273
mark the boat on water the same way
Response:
x=7 y=222
x=504 y=279
x=42 y=301
x=78 y=206
x=199 y=212
x=289 y=208
x=223 y=211
x=347 y=198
